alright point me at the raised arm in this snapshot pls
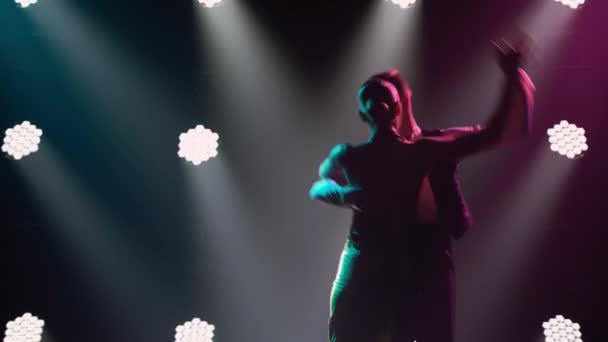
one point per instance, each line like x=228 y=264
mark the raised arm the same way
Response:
x=511 y=120
x=332 y=186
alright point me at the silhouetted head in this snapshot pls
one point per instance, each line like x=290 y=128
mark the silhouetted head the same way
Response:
x=379 y=103
x=405 y=96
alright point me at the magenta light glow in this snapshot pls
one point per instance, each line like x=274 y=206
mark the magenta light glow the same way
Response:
x=574 y=4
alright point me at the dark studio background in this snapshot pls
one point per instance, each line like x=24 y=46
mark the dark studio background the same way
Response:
x=108 y=236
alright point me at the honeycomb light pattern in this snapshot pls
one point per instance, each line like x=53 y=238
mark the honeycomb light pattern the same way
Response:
x=210 y=3
x=194 y=331
x=21 y=140
x=26 y=328
x=404 y=3
x=198 y=145
x=26 y=3
x=574 y=4
x=560 y=329
x=567 y=139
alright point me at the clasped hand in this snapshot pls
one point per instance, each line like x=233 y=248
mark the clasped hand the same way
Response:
x=511 y=57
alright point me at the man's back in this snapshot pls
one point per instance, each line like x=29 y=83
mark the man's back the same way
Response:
x=441 y=201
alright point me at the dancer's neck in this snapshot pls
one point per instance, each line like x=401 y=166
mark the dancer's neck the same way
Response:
x=384 y=134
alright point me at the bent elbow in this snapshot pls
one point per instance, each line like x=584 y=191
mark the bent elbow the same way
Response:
x=313 y=194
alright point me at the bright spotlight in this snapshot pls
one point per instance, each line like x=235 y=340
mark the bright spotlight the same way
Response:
x=21 y=140
x=194 y=331
x=560 y=329
x=567 y=139
x=404 y=3
x=210 y=3
x=574 y=4
x=26 y=328
x=26 y=3
x=198 y=145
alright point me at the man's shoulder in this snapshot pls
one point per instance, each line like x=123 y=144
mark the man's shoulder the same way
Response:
x=446 y=168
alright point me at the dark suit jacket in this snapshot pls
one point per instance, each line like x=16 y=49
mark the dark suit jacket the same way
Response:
x=454 y=214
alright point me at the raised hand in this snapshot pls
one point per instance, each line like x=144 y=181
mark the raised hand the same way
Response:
x=511 y=56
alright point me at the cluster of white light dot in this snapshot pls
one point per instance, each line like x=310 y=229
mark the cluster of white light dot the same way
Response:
x=26 y=328
x=210 y=3
x=26 y=3
x=574 y=4
x=194 y=331
x=559 y=329
x=21 y=140
x=198 y=145
x=567 y=139
x=404 y=3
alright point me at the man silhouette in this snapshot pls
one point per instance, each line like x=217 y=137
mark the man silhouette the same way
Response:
x=395 y=279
